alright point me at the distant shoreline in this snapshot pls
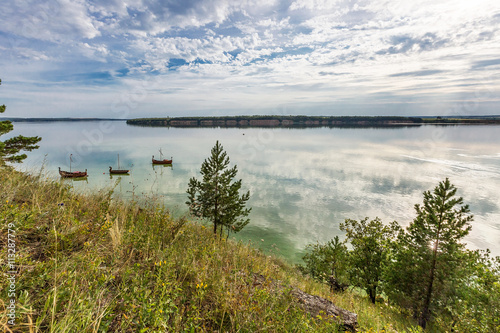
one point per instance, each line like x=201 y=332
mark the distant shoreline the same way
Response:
x=16 y=120
x=310 y=121
x=284 y=121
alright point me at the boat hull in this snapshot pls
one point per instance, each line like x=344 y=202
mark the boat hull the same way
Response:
x=161 y=161
x=74 y=174
x=119 y=172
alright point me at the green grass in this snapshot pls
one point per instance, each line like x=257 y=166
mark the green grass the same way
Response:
x=90 y=263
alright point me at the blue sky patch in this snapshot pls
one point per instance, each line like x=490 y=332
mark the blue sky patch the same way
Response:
x=202 y=57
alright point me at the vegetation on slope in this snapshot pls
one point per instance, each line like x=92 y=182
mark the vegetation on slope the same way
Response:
x=424 y=269
x=89 y=263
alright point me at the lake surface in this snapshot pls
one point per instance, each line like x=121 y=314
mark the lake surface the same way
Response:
x=303 y=182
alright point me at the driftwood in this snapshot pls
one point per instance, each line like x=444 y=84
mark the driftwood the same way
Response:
x=315 y=305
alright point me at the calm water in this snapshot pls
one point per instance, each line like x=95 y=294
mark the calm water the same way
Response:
x=303 y=182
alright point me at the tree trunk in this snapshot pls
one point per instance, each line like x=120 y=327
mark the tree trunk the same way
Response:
x=372 y=293
x=424 y=316
x=216 y=208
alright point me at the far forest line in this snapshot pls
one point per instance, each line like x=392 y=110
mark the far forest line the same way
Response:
x=308 y=121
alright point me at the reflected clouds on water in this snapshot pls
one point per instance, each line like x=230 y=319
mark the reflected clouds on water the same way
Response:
x=303 y=182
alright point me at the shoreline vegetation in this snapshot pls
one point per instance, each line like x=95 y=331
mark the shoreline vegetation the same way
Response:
x=311 y=121
x=35 y=120
x=271 y=121
x=89 y=262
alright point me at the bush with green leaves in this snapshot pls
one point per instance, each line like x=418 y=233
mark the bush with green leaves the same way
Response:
x=370 y=250
x=327 y=263
x=475 y=306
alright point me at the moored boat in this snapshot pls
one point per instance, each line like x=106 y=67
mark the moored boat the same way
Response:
x=72 y=174
x=164 y=161
x=161 y=160
x=117 y=171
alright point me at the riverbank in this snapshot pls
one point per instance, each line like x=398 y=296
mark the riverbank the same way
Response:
x=91 y=263
x=309 y=121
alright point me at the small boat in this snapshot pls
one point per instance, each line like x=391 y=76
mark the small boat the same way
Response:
x=163 y=161
x=72 y=174
x=118 y=171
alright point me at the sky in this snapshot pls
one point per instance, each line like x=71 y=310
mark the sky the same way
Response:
x=159 y=58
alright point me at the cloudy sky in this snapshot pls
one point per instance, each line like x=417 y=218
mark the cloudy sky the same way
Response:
x=142 y=58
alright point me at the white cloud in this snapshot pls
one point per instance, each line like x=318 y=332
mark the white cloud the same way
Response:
x=261 y=53
x=55 y=21
x=314 y=4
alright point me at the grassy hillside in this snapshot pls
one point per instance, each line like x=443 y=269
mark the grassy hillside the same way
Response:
x=89 y=263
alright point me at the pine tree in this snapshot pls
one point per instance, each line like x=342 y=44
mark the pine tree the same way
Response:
x=429 y=254
x=9 y=148
x=217 y=197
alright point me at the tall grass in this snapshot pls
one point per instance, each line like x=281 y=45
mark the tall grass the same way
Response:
x=90 y=263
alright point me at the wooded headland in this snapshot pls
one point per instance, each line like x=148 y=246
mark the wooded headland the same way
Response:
x=305 y=121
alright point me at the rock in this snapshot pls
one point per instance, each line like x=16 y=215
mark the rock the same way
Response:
x=315 y=305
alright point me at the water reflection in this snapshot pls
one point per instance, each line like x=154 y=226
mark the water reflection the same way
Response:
x=303 y=183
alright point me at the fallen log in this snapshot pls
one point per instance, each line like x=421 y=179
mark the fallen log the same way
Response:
x=314 y=305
